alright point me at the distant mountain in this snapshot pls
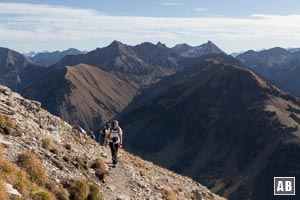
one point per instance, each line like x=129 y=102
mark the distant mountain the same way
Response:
x=133 y=67
x=235 y=54
x=278 y=65
x=157 y=55
x=118 y=59
x=220 y=124
x=181 y=48
x=82 y=95
x=204 y=49
x=16 y=71
x=30 y=54
x=141 y=64
x=292 y=50
x=50 y=58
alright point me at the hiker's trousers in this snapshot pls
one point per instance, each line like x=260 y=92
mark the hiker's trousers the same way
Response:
x=114 y=152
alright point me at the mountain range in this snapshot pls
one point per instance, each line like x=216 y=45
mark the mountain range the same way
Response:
x=139 y=65
x=49 y=58
x=132 y=67
x=220 y=124
x=277 y=65
x=194 y=110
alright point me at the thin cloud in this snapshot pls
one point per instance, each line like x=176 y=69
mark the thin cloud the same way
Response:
x=200 y=9
x=27 y=27
x=168 y=3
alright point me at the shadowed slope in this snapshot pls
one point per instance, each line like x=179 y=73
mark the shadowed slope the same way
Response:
x=82 y=95
x=217 y=123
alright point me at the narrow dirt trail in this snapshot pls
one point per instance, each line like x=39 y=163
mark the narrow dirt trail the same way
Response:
x=119 y=181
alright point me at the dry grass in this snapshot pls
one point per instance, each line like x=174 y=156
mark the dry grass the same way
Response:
x=32 y=165
x=46 y=143
x=5 y=121
x=6 y=168
x=25 y=183
x=59 y=192
x=81 y=163
x=100 y=168
x=42 y=195
x=79 y=189
x=169 y=194
x=99 y=164
x=3 y=192
x=94 y=193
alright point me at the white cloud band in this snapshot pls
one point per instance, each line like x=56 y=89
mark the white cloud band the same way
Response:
x=35 y=27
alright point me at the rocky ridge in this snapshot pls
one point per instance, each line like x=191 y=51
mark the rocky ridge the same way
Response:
x=132 y=179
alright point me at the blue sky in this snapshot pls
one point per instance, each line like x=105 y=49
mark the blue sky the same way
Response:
x=234 y=25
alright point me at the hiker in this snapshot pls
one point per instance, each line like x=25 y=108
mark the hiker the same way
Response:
x=102 y=134
x=92 y=135
x=114 y=138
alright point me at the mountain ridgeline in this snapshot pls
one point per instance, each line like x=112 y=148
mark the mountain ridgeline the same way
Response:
x=220 y=124
x=49 y=58
x=88 y=98
x=139 y=65
x=16 y=71
x=82 y=95
x=277 y=65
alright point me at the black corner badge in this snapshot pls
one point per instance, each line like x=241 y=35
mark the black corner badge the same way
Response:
x=284 y=185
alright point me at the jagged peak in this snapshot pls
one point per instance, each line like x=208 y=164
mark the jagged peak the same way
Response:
x=116 y=43
x=182 y=45
x=159 y=44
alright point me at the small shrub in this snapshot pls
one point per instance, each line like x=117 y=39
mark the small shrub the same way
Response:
x=32 y=165
x=98 y=164
x=59 y=164
x=170 y=194
x=42 y=195
x=94 y=193
x=99 y=174
x=79 y=190
x=67 y=159
x=6 y=168
x=79 y=163
x=59 y=192
x=180 y=189
x=54 y=151
x=100 y=168
x=46 y=143
x=86 y=164
x=5 y=121
x=68 y=146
